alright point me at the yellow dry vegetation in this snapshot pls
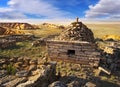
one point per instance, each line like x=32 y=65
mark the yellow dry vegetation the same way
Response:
x=114 y=37
x=43 y=32
x=103 y=29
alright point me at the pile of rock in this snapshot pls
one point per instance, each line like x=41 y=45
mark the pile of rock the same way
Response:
x=77 y=32
x=27 y=72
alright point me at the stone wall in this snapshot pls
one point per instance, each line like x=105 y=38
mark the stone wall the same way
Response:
x=6 y=43
x=20 y=37
x=73 y=51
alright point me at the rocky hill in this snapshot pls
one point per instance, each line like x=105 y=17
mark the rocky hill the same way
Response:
x=2 y=30
x=16 y=25
x=48 y=25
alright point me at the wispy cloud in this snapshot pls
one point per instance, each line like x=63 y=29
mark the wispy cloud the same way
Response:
x=104 y=9
x=19 y=9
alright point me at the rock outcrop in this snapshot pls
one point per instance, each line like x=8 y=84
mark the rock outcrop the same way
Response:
x=2 y=30
x=19 y=26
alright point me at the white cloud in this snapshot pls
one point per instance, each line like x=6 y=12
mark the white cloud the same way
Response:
x=5 y=9
x=39 y=8
x=9 y=13
x=104 y=9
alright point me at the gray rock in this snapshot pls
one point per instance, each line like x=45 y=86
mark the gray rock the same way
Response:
x=15 y=82
x=26 y=84
x=57 y=84
x=74 y=84
x=6 y=79
x=90 y=84
x=3 y=73
x=33 y=62
x=23 y=73
x=2 y=61
x=32 y=67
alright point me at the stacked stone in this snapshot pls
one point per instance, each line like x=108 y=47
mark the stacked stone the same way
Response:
x=82 y=52
x=78 y=31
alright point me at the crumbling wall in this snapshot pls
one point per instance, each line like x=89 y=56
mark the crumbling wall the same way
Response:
x=74 y=51
x=7 y=43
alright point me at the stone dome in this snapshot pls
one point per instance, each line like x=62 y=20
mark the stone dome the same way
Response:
x=77 y=32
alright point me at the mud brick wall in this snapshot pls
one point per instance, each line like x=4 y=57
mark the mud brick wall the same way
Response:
x=73 y=51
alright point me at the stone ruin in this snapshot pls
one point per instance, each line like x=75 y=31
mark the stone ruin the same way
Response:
x=76 y=44
x=7 y=43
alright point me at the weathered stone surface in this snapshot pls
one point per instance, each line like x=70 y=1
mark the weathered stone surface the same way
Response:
x=26 y=84
x=2 y=61
x=74 y=84
x=17 y=26
x=32 y=67
x=6 y=79
x=90 y=84
x=15 y=82
x=57 y=84
x=77 y=32
x=33 y=61
x=76 y=45
x=22 y=73
x=6 y=43
x=74 y=51
x=3 y=73
x=2 y=30
x=18 y=65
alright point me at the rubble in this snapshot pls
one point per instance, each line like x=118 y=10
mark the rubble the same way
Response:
x=104 y=70
x=39 y=74
x=57 y=84
x=90 y=84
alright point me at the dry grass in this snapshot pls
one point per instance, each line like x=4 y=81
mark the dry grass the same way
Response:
x=101 y=30
x=43 y=32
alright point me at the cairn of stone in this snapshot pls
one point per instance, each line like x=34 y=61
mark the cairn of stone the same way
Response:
x=77 y=32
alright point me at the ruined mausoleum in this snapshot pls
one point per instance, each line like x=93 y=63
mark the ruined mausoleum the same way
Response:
x=76 y=45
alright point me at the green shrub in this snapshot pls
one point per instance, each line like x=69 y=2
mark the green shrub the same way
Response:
x=11 y=70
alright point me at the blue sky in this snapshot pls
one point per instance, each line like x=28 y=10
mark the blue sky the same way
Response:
x=59 y=9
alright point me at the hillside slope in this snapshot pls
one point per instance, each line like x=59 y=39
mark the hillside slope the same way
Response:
x=16 y=25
